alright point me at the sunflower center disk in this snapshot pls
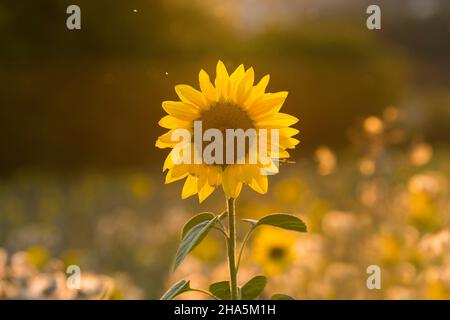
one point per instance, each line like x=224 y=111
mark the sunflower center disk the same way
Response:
x=223 y=116
x=277 y=253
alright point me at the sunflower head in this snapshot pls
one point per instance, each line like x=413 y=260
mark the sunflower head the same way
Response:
x=274 y=250
x=233 y=103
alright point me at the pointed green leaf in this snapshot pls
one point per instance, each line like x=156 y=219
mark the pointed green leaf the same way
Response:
x=284 y=221
x=195 y=220
x=252 y=289
x=192 y=238
x=281 y=296
x=221 y=290
x=178 y=288
x=251 y=221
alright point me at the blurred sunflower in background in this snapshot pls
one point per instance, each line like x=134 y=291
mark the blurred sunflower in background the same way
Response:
x=233 y=102
x=208 y=250
x=274 y=250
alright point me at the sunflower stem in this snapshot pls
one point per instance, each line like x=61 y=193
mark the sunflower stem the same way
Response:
x=247 y=236
x=232 y=248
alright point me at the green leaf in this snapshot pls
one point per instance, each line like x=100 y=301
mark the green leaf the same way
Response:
x=251 y=221
x=252 y=289
x=192 y=238
x=195 y=220
x=281 y=296
x=178 y=288
x=221 y=290
x=285 y=221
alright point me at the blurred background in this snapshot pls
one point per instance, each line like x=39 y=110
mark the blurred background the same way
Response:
x=81 y=180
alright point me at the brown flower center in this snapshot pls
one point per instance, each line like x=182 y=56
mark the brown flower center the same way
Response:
x=223 y=116
x=277 y=253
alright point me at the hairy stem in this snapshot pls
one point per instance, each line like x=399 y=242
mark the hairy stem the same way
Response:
x=232 y=248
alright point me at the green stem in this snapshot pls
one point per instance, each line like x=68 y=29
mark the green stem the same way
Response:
x=221 y=217
x=247 y=236
x=232 y=248
x=222 y=231
x=206 y=292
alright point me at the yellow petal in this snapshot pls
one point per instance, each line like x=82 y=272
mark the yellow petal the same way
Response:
x=212 y=177
x=267 y=105
x=245 y=86
x=257 y=91
x=260 y=184
x=205 y=192
x=170 y=177
x=288 y=132
x=284 y=155
x=170 y=122
x=270 y=169
x=176 y=156
x=237 y=190
x=279 y=154
x=215 y=176
x=231 y=184
x=202 y=174
x=166 y=140
x=288 y=143
x=248 y=171
x=168 y=163
x=181 y=110
x=187 y=94
x=235 y=79
x=180 y=170
x=167 y=137
x=226 y=184
x=162 y=145
x=206 y=86
x=189 y=188
x=238 y=73
x=278 y=120
x=222 y=80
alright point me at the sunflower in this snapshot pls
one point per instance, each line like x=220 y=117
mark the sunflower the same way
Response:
x=233 y=102
x=274 y=250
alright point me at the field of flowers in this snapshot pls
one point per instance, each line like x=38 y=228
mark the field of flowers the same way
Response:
x=383 y=200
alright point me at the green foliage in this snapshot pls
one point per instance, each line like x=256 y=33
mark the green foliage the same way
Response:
x=195 y=220
x=221 y=289
x=178 y=288
x=281 y=296
x=253 y=288
x=284 y=221
x=192 y=238
x=195 y=230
